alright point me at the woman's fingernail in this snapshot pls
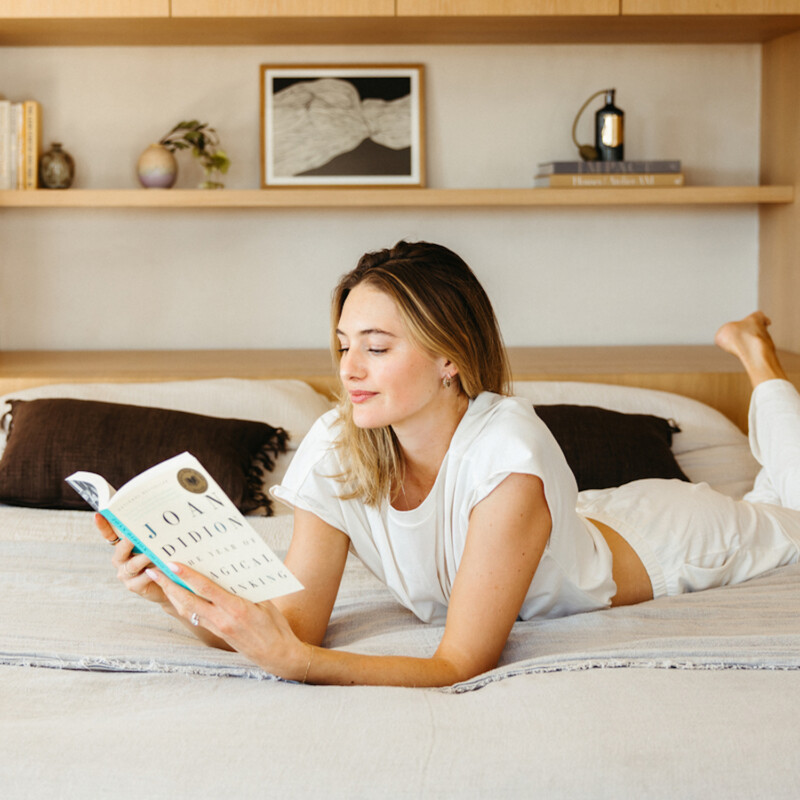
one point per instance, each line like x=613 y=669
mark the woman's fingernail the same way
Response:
x=174 y=567
x=151 y=573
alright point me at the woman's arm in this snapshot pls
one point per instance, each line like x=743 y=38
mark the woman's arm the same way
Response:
x=317 y=555
x=507 y=535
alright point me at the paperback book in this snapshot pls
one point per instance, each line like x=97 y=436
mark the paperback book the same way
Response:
x=611 y=180
x=20 y=144
x=175 y=511
x=608 y=167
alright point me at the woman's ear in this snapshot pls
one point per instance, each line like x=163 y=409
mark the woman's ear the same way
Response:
x=449 y=367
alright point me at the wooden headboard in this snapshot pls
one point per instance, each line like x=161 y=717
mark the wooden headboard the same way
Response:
x=701 y=372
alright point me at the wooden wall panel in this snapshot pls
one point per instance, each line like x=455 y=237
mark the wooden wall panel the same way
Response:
x=713 y=7
x=779 y=238
x=501 y=8
x=82 y=9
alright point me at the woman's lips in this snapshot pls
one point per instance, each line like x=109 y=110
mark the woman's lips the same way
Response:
x=361 y=397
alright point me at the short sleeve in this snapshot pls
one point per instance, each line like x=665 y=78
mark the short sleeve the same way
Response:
x=515 y=440
x=310 y=481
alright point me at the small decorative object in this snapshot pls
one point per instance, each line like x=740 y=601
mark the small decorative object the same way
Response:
x=157 y=168
x=609 y=131
x=204 y=144
x=56 y=168
x=348 y=125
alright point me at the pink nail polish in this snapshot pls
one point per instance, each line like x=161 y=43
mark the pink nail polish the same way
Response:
x=174 y=567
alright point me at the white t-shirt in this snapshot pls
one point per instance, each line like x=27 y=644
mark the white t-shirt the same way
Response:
x=417 y=553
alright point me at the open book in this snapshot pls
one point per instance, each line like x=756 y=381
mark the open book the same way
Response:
x=175 y=511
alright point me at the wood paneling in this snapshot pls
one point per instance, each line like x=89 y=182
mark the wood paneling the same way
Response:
x=779 y=258
x=710 y=7
x=282 y=8
x=502 y=8
x=86 y=9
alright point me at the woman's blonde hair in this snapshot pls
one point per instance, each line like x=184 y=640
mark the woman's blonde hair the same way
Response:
x=447 y=314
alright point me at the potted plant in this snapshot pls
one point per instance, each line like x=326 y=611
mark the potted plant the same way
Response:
x=204 y=144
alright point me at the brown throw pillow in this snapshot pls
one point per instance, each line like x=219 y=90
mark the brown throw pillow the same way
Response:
x=49 y=439
x=608 y=448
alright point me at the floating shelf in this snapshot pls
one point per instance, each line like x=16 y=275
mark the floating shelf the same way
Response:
x=99 y=23
x=394 y=197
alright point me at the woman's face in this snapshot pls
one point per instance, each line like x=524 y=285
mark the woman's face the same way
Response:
x=390 y=380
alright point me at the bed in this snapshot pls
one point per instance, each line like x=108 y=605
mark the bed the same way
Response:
x=102 y=695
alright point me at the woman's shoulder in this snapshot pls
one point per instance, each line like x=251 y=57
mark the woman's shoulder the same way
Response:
x=501 y=421
x=490 y=412
x=319 y=443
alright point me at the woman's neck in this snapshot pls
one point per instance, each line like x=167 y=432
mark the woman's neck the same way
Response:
x=423 y=450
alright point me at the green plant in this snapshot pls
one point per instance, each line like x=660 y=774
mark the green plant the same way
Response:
x=204 y=144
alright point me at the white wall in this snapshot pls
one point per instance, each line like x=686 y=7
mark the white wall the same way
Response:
x=256 y=278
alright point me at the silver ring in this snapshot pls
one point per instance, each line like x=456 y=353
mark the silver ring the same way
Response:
x=114 y=541
x=194 y=619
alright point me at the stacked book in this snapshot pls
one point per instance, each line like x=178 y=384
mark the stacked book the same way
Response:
x=578 y=174
x=20 y=144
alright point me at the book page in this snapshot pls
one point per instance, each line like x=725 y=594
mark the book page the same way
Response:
x=93 y=488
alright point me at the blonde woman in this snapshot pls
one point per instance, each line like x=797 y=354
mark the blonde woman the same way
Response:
x=458 y=498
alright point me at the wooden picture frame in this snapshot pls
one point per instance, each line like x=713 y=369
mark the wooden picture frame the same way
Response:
x=352 y=125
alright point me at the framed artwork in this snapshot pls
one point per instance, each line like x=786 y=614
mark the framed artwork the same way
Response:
x=345 y=125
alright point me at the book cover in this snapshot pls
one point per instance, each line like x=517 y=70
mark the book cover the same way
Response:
x=175 y=511
x=5 y=145
x=17 y=144
x=603 y=167
x=33 y=144
x=611 y=180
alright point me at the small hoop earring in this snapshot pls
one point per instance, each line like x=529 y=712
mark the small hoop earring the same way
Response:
x=447 y=381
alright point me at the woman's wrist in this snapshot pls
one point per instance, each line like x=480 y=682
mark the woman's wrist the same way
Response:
x=310 y=653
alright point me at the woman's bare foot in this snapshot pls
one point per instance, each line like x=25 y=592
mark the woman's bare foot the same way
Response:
x=749 y=340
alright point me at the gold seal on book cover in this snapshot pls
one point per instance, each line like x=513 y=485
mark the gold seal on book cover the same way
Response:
x=192 y=481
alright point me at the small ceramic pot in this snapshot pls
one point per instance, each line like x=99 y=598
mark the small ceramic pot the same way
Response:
x=157 y=168
x=56 y=168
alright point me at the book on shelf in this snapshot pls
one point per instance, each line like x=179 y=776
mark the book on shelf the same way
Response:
x=33 y=144
x=603 y=167
x=609 y=180
x=20 y=144
x=175 y=511
x=8 y=174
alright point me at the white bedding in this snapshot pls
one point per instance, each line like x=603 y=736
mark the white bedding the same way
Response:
x=693 y=696
x=55 y=560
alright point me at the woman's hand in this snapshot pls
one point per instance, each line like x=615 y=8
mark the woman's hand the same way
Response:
x=130 y=566
x=258 y=631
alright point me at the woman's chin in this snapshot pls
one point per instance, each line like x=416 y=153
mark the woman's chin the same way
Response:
x=362 y=418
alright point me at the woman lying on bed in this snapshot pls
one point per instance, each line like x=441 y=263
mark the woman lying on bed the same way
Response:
x=459 y=499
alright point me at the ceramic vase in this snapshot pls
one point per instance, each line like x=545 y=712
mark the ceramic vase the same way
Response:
x=56 y=168
x=157 y=168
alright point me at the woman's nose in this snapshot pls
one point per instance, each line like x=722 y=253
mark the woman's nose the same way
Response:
x=351 y=365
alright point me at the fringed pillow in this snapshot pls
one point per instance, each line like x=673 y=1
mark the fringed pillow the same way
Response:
x=608 y=448
x=49 y=439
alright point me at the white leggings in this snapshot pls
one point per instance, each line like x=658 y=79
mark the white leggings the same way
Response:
x=690 y=537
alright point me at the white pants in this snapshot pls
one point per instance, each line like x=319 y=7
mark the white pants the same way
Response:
x=690 y=537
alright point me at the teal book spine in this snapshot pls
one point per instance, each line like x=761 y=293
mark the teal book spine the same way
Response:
x=140 y=547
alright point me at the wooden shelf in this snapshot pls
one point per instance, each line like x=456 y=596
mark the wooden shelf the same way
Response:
x=256 y=29
x=700 y=371
x=394 y=197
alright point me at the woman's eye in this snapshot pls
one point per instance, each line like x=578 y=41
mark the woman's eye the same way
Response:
x=377 y=351
x=343 y=349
